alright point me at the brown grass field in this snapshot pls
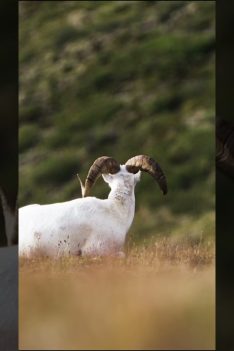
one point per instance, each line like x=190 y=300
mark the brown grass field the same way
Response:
x=160 y=297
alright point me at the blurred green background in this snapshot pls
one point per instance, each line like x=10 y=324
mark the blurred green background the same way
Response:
x=120 y=78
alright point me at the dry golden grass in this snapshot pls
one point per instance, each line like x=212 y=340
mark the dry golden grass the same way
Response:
x=161 y=297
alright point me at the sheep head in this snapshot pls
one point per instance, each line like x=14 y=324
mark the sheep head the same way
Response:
x=107 y=165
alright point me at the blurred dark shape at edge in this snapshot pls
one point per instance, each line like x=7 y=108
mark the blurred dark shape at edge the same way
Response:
x=225 y=147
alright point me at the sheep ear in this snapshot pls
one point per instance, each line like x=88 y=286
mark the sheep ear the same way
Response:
x=107 y=178
x=137 y=177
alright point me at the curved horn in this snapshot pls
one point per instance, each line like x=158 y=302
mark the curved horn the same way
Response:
x=103 y=164
x=149 y=165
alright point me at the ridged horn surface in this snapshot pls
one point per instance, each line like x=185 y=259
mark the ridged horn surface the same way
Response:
x=149 y=165
x=103 y=164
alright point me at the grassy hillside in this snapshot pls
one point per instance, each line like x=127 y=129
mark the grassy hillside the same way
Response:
x=120 y=78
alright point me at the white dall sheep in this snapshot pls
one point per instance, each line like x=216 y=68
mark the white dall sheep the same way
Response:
x=88 y=225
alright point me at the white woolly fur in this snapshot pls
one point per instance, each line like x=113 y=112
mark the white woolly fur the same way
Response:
x=84 y=226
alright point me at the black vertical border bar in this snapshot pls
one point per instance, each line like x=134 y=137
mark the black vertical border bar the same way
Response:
x=224 y=185
x=9 y=99
x=9 y=157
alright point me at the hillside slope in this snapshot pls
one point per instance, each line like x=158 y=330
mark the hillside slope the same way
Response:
x=120 y=78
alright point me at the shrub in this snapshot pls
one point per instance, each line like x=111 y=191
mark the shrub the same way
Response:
x=28 y=136
x=56 y=169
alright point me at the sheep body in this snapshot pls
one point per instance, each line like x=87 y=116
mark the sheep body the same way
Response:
x=86 y=225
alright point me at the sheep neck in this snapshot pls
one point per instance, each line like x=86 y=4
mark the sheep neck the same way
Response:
x=123 y=199
x=123 y=195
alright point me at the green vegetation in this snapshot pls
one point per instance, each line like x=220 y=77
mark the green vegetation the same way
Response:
x=120 y=78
